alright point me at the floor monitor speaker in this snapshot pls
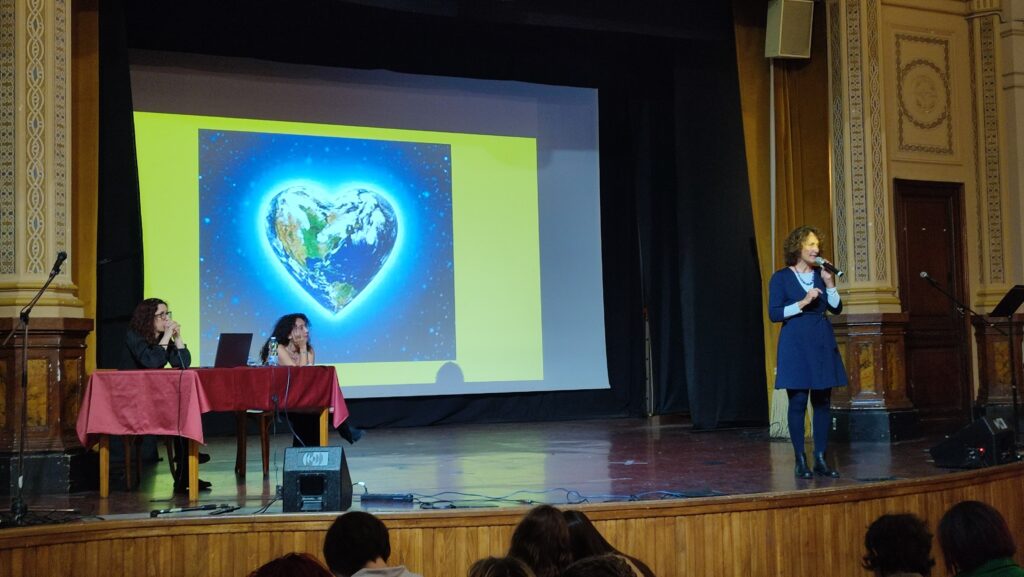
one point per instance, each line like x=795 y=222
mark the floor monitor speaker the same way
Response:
x=985 y=442
x=316 y=479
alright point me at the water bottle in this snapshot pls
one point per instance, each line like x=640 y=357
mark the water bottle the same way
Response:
x=272 y=352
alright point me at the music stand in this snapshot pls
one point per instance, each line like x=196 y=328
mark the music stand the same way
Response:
x=1007 y=307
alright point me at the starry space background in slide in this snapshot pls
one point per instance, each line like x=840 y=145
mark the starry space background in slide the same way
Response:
x=406 y=313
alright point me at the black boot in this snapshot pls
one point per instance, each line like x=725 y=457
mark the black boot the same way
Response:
x=821 y=467
x=350 y=433
x=801 y=470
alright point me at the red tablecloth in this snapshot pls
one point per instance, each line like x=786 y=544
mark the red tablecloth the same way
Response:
x=171 y=402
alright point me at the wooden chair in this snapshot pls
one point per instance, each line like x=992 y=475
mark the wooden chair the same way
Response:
x=263 y=421
x=133 y=463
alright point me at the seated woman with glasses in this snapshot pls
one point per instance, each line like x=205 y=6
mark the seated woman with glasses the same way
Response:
x=153 y=341
x=295 y=350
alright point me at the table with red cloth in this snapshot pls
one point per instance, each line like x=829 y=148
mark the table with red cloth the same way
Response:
x=171 y=402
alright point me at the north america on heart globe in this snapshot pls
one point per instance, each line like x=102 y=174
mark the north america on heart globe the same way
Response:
x=333 y=244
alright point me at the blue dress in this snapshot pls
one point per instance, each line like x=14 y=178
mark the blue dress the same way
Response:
x=808 y=356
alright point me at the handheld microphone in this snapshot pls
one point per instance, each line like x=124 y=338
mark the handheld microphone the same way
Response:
x=828 y=266
x=61 y=257
x=927 y=277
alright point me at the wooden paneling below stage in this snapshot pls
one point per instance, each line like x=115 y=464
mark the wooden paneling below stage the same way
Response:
x=749 y=535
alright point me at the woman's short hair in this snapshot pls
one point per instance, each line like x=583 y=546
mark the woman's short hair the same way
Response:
x=143 y=318
x=292 y=565
x=898 y=544
x=500 y=567
x=794 y=243
x=541 y=540
x=355 y=539
x=971 y=534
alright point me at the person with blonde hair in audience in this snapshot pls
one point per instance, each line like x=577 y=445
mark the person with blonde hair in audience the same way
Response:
x=541 y=540
x=358 y=545
x=500 y=567
x=586 y=541
x=898 y=546
x=976 y=542
x=292 y=565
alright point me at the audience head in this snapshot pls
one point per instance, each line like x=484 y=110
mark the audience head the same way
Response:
x=500 y=567
x=971 y=534
x=283 y=332
x=354 y=540
x=898 y=544
x=608 y=565
x=145 y=320
x=292 y=565
x=584 y=539
x=541 y=540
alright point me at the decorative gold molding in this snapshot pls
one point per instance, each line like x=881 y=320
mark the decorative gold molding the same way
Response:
x=991 y=177
x=854 y=85
x=35 y=137
x=8 y=199
x=838 y=126
x=878 y=186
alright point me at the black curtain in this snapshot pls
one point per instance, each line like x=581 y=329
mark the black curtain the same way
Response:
x=677 y=230
x=119 y=266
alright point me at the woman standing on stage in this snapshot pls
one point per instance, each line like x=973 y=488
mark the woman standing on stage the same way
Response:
x=809 y=365
x=295 y=350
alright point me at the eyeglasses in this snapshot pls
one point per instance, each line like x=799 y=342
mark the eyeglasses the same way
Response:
x=164 y=315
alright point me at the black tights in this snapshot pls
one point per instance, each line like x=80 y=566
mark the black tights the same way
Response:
x=820 y=421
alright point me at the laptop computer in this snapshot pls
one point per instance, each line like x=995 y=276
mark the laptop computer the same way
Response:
x=232 y=350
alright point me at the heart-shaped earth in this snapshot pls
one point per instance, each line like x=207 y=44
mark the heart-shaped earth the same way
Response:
x=334 y=245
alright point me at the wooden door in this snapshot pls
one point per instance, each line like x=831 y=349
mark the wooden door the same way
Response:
x=930 y=240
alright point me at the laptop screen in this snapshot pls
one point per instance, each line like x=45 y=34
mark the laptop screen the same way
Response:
x=232 y=350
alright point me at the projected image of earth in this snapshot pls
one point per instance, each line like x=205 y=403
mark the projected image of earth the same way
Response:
x=355 y=233
x=335 y=246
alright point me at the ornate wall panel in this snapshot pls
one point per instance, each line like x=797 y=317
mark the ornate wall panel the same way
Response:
x=924 y=95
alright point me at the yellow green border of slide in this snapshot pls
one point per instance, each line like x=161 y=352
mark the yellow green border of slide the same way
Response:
x=494 y=220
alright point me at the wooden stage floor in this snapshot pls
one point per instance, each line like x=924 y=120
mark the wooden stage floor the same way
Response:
x=507 y=465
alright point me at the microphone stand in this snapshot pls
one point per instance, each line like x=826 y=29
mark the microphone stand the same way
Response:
x=960 y=308
x=19 y=509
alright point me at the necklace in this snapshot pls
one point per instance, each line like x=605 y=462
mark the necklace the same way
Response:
x=800 y=277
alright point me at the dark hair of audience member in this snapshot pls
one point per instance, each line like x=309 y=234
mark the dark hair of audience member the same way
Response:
x=898 y=544
x=292 y=565
x=609 y=565
x=971 y=534
x=541 y=540
x=355 y=539
x=500 y=567
x=586 y=541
